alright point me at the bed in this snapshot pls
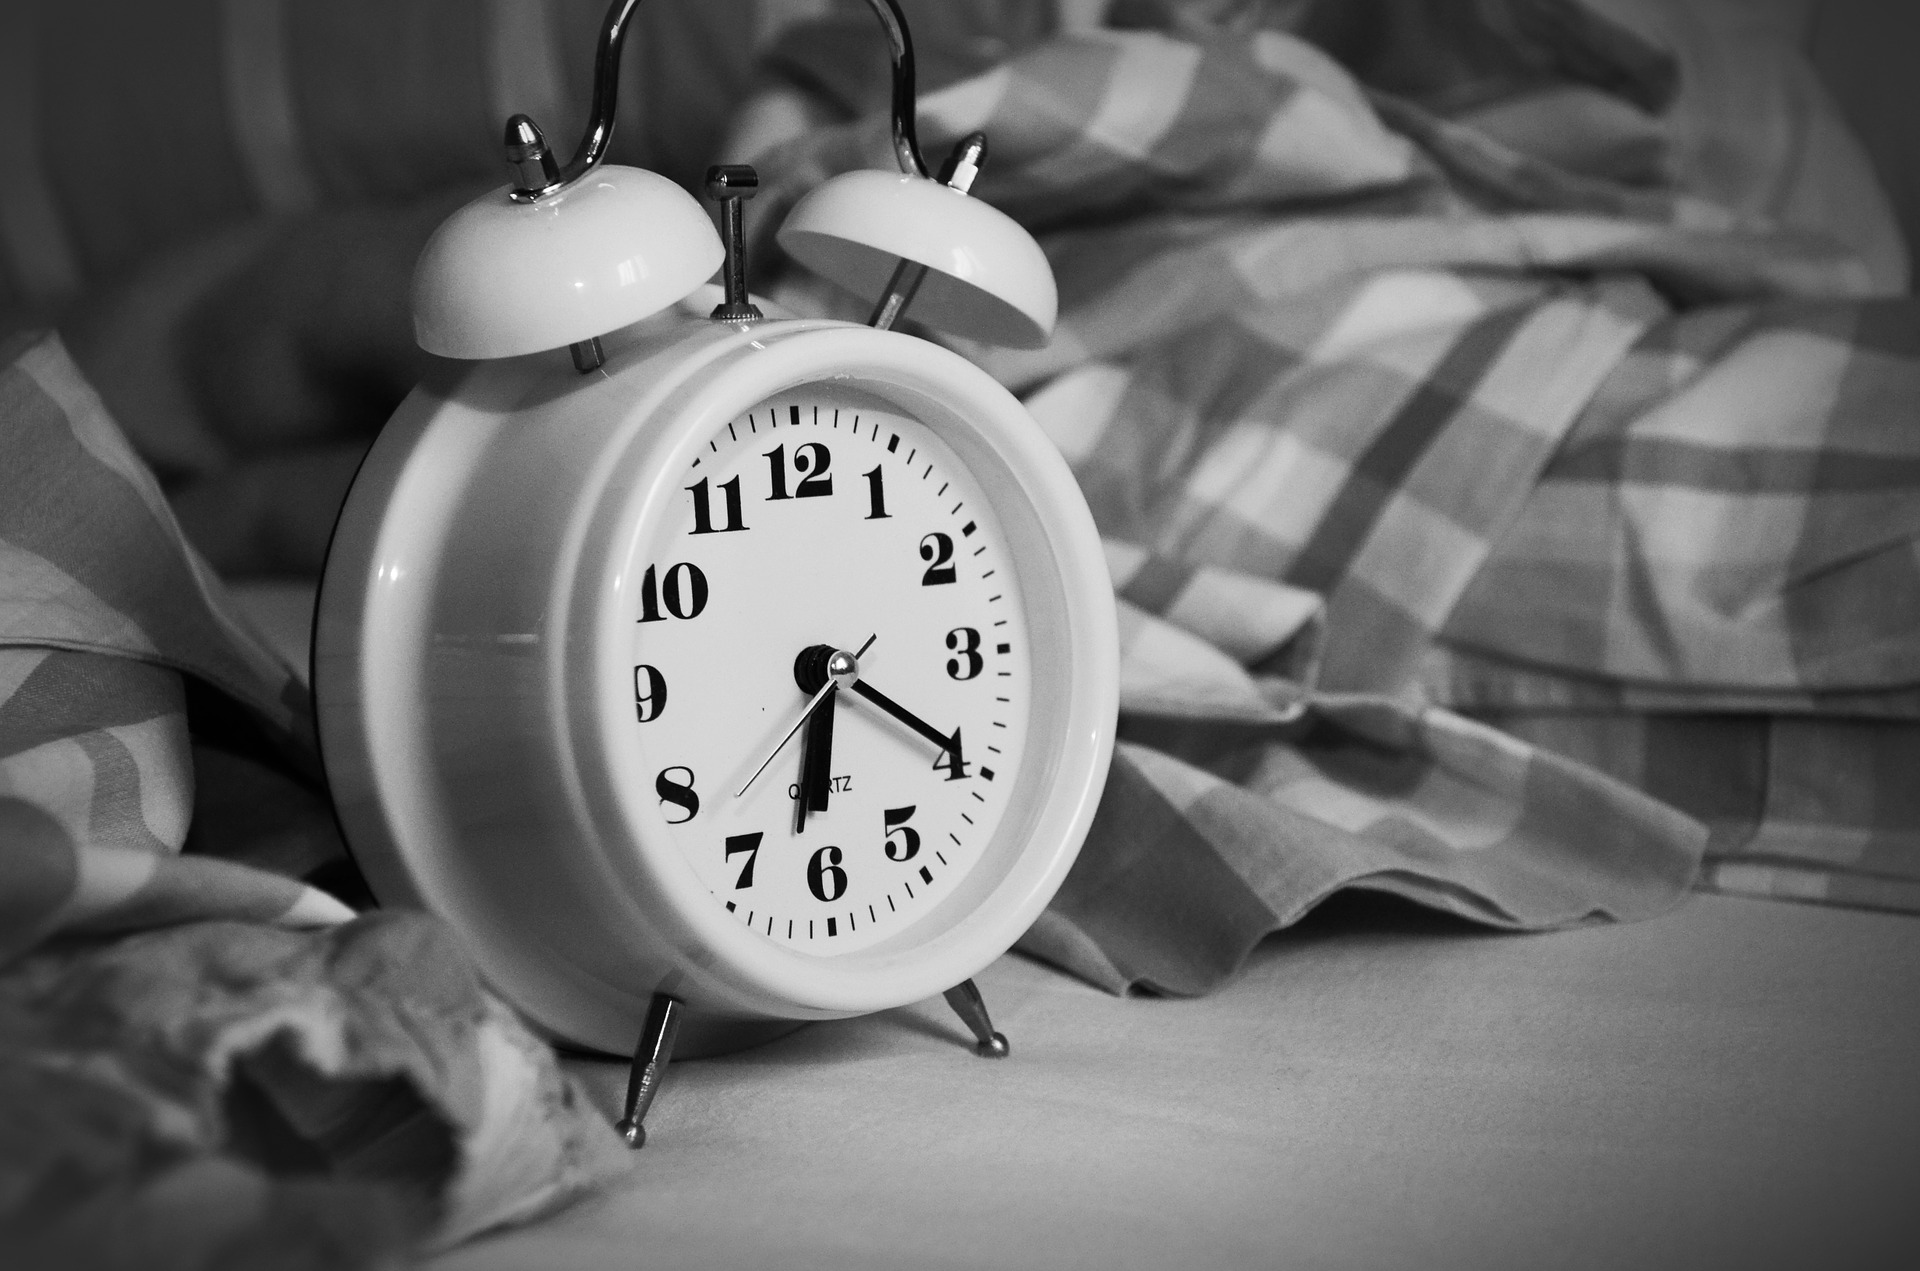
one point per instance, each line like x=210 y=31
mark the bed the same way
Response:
x=1499 y=419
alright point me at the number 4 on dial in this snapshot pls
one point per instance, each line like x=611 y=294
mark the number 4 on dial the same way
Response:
x=950 y=760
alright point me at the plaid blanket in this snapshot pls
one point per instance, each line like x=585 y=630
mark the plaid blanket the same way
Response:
x=205 y=1060
x=1593 y=461
x=1485 y=529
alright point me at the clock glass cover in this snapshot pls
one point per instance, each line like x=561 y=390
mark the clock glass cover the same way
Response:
x=826 y=517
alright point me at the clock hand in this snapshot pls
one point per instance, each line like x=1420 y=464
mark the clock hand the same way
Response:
x=821 y=662
x=902 y=714
x=805 y=713
x=836 y=671
x=816 y=768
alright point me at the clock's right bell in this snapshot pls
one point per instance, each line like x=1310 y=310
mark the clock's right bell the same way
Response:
x=978 y=272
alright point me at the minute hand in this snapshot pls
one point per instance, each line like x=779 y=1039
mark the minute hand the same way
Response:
x=902 y=714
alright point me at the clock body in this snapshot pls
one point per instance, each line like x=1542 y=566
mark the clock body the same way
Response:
x=557 y=634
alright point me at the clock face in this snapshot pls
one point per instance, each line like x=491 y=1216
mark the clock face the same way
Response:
x=823 y=517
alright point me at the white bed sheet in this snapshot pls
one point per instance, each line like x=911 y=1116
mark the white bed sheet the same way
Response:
x=1735 y=1084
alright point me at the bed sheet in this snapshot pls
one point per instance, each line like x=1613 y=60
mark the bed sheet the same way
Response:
x=1728 y=1085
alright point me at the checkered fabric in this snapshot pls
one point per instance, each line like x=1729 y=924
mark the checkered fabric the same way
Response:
x=103 y=609
x=1596 y=462
x=158 y=783
x=1712 y=592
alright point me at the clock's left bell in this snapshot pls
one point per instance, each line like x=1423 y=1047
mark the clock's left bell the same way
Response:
x=525 y=268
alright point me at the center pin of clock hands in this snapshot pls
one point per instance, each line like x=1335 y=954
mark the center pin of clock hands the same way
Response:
x=837 y=669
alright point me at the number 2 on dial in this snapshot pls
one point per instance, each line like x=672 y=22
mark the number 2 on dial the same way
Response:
x=937 y=550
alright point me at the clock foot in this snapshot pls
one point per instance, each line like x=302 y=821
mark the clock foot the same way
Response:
x=588 y=356
x=967 y=1003
x=649 y=1067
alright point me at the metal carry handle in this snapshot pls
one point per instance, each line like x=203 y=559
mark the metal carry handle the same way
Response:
x=537 y=175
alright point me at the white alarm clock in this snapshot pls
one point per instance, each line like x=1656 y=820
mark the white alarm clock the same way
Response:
x=725 y=672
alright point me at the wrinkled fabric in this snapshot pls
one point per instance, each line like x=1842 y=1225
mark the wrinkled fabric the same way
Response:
x=1563 y=445
x=233 y=1094
x=248 y=1075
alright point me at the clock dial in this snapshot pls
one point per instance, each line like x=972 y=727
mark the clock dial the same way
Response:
x=825 y=520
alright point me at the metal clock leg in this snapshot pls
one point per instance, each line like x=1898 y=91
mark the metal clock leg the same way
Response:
x=967 y=1003
x=649 y=1066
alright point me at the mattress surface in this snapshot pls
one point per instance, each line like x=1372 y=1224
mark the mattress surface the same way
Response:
x=1729 y=1085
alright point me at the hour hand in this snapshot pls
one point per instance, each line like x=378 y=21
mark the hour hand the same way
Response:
x=816 y=764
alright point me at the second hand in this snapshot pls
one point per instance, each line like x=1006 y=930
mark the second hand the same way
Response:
x=806 y=711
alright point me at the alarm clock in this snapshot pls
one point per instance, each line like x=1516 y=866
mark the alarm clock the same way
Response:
x=711 y=673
